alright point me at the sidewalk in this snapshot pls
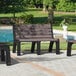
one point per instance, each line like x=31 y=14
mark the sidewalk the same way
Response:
x=47 y=64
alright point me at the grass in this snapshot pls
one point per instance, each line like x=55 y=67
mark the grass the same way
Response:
x=41 y=17
x=35 y=12
x=71 y=27
x=27 y=46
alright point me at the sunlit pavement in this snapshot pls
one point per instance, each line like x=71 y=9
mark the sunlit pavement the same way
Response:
x=46 y=64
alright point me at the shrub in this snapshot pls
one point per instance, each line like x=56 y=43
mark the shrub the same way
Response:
x=27 y=18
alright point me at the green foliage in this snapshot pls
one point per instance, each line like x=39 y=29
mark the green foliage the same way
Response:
x=46 y=2
x=11 y=6
x=50 y=3
x=34 y=3
x=64 y=5
x=27 y=18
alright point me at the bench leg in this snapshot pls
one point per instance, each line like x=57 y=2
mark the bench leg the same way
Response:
x=38 y=48
x=14 y=47
x=57 y=47
x=33 y=47
x=18 y=49
x=8 y=58
x=69 y=46
x=2 y=55
x=51 y=46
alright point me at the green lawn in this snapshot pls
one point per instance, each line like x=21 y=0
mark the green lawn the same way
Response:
x=35 y=12
x=27 y=46
x=71 y=27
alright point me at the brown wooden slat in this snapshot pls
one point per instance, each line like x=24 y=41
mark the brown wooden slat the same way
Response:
x=37 y=39
x=33 y=31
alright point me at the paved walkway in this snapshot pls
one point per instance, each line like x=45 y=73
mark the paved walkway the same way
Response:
x=47 y=64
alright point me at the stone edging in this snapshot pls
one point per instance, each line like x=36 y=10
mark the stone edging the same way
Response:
x=5 y=27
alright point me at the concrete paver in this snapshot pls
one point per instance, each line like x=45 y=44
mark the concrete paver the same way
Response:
x=47 y=64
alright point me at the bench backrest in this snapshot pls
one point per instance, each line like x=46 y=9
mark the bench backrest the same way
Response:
x=33 y=31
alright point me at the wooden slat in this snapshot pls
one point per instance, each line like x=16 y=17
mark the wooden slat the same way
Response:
x=33 y=31
x=37 y=39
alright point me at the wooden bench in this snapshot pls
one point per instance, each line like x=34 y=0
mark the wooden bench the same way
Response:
x=34 y=33
x=69 y=46
x=5 y=53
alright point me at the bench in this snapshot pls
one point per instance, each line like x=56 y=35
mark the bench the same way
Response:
x=5 y=53
x=69 y=46
x=34 y=33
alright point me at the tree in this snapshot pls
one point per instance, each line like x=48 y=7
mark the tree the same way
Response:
x=11 y=6
x=35 y=3
x=74 y=4
x=38 y=3
x=62 y=5
x=50 y=3
x=66 y=5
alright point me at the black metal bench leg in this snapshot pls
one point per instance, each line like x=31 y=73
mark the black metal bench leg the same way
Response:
x=51 y=46
x=57 y=47
x=69 y=46
x=8 y=58
x=18 y=49
x=33 y=47
x=14 y=47
x=38 y=48
x=2 y=55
